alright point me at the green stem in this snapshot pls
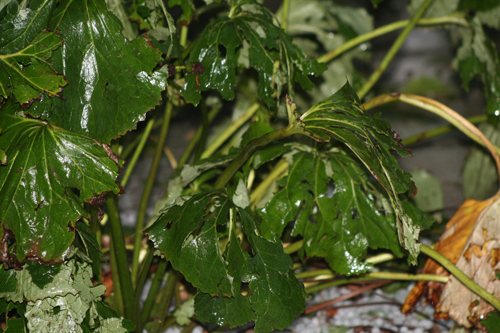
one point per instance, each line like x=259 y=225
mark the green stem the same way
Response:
x=153 y=291
x=230 y=131
x=294 y=247
x=165 y=298
x=456 y=18
x=137 y=153
x=286 y=11
x=379 y=276
x=118 y=240
x=140 y=283
x=393 y=50
x=461 y=276
x=260 y=190
x=439 y=131
x=192 y=144
x=115 y=275
x=143 y=205
x=250 y=148
x=204 y=131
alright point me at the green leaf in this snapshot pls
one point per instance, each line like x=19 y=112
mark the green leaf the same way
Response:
x=490 y=17
x=185 y=312
x=492 y=322
x=351 y=214
x=371 y=140
x=15 y=325
x=27 y=73
x=42 y=274
x=188 y=11
x=436 y=9
x=478 y=5
x=478 y=56
x=50 y=174
x=110 y=82
x=480 y=178
x=90 y=246
x=188 y=241
x=271 y=53
x=429 y=197
x=186 y=234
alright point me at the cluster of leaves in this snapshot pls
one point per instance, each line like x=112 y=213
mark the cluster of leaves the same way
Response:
x=75 y=76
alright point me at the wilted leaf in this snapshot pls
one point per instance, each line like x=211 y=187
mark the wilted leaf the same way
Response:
x=27 y=74
x=480 y=260
x=218 y=47
x=480 y=175
x=370 y=138
x=110 y=82
x=451 y=244
x=50 y=174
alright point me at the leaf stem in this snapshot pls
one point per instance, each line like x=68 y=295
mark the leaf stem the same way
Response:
x=115 y=275
x=153 y=290
x=137 y=153
x=456 y=18
x=260 y=190
x=439 y=131
x=118 y=240
x=294 y=247
x=230 y=130
x=143 y=205
x=140 y=283
x=250 y=148
x=379 y=276
x=393 y=50
x=165 y=298
x=461 y=276
x=192 y=144
x=286 y=11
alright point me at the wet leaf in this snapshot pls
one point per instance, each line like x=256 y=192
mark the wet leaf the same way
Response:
x=186 y=234
x=350 y=213
x=480 y=260
x=370 y=138
x=50 y=174
x=27 y=74
x=269 y=47
x=111 y=84
x=478 y=56
x=480 y=177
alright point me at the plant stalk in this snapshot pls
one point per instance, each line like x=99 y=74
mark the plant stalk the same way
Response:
x=461 y=276
x=140 y=283
x=230 y=131
x=286 y=11
x=118 y=240
x=153 y=291
x=165 y=298
x=393 y=50
x=456 y=18
x=260 y=190
x=143 y=205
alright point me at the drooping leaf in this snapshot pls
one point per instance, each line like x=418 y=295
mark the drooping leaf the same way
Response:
x=268 y=47
x=186 y=234
x=350 y=213
x=478 y=56
x=480 y=176
x=27 y=73
x=370 y=138
x=50 y=174
x=111 y=86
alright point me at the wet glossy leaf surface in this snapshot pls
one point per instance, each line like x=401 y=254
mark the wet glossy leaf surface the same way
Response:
x=186 y=234
x=370 y=138
x=221 y=43
x=348 y=212
x=111 y=86
x=26 y=74
x=50 y=174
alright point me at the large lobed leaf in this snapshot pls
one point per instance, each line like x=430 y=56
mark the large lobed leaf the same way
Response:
x=248 y=33
x=186 y=233
x=349 y=213
x=49 y=174
x=370 y=138
x=110 y=81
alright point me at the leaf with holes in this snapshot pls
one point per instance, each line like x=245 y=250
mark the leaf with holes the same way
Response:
x=340 y=117
x=271 y=54
x=49 y=175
